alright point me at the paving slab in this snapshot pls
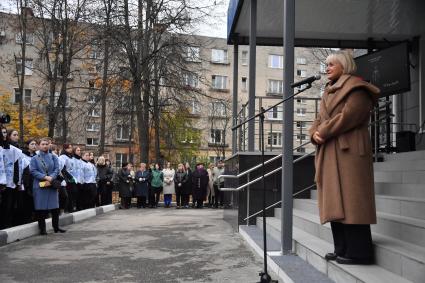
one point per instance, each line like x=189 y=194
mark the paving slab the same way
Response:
x=136 y=245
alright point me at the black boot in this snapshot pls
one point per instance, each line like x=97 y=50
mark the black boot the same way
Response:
x=42 y=226
x=55 y=221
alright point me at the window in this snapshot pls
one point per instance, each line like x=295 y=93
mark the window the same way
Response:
x=57 y=95
x=92 y=141
x=244 y=84
x=322 y=68
x=301 y=111
x=301 y=137
x=58 y=131
x=301 y=101
x=120 y=159
x=92 y=98
x=301 y=124
x=301 y=61
x=123 y=103
x=244 y=58
x=276 y=61
x=322 y=91
x=92 y=53
x=27 y=96
x=93 y=127
x=195 y=107
x=215 y=159
x=191 y=80
x=274 y=139
x=302 y=73
x=219 y=56
x=192 y=54
x=92 y=69
x=94 y=112
x=219 y=82
x=123 y=132
x=275 y=86
x=29 y=38
x=275 y=113
x=217 y=136
x=28 y=66
x=301 y=149
x=218 y=109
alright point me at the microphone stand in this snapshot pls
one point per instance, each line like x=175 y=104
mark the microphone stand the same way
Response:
x=264 y=275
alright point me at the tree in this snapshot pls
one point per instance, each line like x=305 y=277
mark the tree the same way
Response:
x=34 y=124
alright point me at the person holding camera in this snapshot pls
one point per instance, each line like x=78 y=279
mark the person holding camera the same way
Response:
x=45 y=169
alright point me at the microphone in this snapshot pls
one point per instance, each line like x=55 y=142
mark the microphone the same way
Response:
x=308 y=80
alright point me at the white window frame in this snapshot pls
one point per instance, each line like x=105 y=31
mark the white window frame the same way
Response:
x=92 y=54
x=93 y=127
x=119 y=134
x=276 y=113
x=93 y=113
x=218 y=109
x=301 y=61
x=244 y=58
x=193 y=54
x=29 y=38
x=301 y=124
x=219 y=82
x=301 y=137
x=275 y=86
x=195 y=107
x=57 y=94
x=94 y=141
x=302 y=73
x=93 y=99
x=119 y=161
x=219 y=56
x=26 y=97
x=274 y=137
x=213 y=136
x=28 y=66
x=273 y=59
x=191 y=80
x=301 y=101
x=301 y=112
x=322 y=68
x=244 y=82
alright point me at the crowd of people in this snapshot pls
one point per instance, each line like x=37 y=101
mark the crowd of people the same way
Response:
x=36 y=179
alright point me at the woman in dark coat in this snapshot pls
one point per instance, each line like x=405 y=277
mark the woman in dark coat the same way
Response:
x=104 y=181
x=141 y=185
x=125 y=183
x=200 y=181
x=180 y=181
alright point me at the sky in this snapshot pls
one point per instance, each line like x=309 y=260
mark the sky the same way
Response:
x=215 y=25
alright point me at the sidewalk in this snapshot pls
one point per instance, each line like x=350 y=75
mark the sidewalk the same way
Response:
x=136 y=245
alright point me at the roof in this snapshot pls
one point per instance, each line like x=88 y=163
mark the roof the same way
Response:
x=330 y=23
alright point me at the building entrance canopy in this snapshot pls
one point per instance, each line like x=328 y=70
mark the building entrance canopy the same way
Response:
x=330 y=23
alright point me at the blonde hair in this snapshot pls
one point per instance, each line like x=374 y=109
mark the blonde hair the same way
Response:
x=101 y=160
x=344 y=58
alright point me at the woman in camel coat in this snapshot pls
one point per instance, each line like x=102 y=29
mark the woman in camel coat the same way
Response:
x=344 y=166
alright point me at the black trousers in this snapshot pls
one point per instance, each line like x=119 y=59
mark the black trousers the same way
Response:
x=63 y=198
x=154 y=194
x=179 y=199
x=105 y=192
x=352 y=240
x=41 y=216
x=8 y=207
x=141 y=202
x=72 y=197
x=125 y=202
x=219 y=195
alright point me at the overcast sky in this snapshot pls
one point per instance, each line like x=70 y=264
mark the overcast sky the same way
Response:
x=215 y=26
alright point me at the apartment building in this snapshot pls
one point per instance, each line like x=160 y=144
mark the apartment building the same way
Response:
x=210 y=111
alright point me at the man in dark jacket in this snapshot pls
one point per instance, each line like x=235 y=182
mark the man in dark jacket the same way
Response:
x=200 y=183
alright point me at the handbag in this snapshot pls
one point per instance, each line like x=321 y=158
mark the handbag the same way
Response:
x=55 y=183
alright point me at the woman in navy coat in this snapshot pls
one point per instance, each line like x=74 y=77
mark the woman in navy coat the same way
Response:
x=141 y=186
x=45 y=168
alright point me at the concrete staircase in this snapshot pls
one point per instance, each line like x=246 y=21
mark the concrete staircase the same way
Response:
x=399 y=236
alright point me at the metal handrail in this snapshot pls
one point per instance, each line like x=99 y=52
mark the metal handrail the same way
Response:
x=259 y=165
x=276 y=203
x=266 y=175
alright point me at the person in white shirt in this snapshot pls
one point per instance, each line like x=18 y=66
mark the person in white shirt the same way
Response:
x=90 y=185
x=79 y=177
x=68 y=172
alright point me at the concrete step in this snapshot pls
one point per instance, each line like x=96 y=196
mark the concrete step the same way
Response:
x=312 y=249
x=412 y=155
x=403 y=206
x=399 y=189
x=409 y=229
x=403 y=177
x=399 y=165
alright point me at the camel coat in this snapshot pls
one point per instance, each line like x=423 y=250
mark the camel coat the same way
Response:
x=344 y=164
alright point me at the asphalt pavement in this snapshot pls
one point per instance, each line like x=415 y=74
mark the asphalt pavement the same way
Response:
x=136 y=245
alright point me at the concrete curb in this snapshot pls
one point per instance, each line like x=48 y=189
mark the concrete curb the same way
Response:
x=21 y=232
